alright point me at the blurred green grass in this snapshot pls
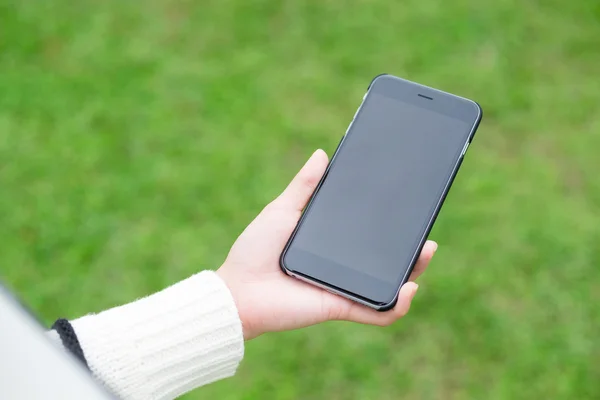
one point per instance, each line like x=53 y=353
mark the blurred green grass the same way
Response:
x=138 y=139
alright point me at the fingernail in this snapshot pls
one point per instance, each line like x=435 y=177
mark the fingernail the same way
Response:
x=415 y=289
x=319 y=151
x=435 y=246
x=312 y=156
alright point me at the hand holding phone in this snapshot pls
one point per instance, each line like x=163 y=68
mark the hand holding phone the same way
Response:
x=268 y=300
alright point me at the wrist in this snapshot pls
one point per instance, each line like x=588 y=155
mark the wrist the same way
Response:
x=235 y=288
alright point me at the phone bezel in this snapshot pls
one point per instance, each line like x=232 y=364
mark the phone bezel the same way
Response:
x=427 y=97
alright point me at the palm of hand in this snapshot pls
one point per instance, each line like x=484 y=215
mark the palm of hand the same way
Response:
x=266 y=298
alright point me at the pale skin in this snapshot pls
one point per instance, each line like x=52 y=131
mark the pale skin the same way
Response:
x=266 y=298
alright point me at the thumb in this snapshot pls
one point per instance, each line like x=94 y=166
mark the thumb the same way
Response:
x=297 y=193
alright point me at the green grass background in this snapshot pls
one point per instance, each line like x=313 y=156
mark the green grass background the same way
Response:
x=137 y=139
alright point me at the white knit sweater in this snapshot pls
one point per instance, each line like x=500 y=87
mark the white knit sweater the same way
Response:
x=167 y=344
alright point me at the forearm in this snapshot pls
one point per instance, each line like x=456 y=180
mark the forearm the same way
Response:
x=167 y=344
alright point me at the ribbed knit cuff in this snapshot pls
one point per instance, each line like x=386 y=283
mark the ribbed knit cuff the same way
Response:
x=164 y=345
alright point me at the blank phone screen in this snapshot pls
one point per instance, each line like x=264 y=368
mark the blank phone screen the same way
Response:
x=381 y=190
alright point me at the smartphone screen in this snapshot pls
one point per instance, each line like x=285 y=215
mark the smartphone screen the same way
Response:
x=373 y=209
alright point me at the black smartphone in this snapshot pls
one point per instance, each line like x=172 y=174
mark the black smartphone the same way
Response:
x=361 y=233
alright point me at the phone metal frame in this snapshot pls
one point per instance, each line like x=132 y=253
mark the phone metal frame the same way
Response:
x=340 y=291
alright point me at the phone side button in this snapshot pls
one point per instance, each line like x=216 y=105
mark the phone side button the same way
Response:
x=347 y=129
x=464 y=150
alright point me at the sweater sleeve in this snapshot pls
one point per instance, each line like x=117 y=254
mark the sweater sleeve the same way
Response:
x=167 y=344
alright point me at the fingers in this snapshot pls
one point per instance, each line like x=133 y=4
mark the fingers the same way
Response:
x=364 y=315
x=296 y=195
x=427 y=253
x=358 y=313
